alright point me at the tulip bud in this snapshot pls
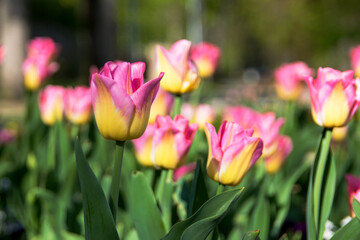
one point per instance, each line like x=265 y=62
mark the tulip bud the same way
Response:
x=51 y=104
x=206 y=57
x=121 y=100
x=355 y=60
x=353 y=184
x=232 y=152
x=283 y=149
x=77 y=104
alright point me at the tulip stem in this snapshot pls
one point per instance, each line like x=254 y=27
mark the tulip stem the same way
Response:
x=177 y=105
x=115 y=183
x=220 y=189
x=164 y=196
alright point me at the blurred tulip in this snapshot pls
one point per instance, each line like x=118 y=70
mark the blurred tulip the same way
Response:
x=339 y=133
x=265 y=125
x=51 y=104
x=283 y=149
x=121 y=101
x=172 y=140
x=162 y=105
x=36 y=70
x=353 y=184
x=288 y=79
x=232 y=152
x=181 y=75
x=355 y=60
x=182 y=171
x=205 y=56
x=39 y=65
x=143 y=146
x=200 y=114
x=77 y=104
x=334 y=97
x=7 y=136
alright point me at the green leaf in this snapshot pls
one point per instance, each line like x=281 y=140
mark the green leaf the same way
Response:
x=143 y=209
x=261 y=217
x=252 y=235
x=199 y=225
x=356 y=207
x=99 y=223
x=351 y=231
x=198 y=194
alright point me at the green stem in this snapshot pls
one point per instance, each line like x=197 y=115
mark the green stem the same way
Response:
x=220 y=189
x=115 y=182
x=167 y=200
x=319 y=174
x=177 y=105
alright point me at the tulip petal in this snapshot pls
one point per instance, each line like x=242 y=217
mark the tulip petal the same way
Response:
x=137 y=71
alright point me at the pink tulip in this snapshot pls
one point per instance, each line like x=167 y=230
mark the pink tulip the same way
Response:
x=172 y=141
x=205 y=57
x=2 y=51
x=355 y=60
x=182 y=171
x=232 y=152
x=334 y=97
x=44 y=47
x=283 y=149
x=7 y=136
x=77 y=104
x=162 y=105
x=288 y=79
x=181 y=75
x=121 y=100
x=143 y=146
x=39 y=65
x=51 y=104
x=265 y=125
x=353 y=190
x=200 y=114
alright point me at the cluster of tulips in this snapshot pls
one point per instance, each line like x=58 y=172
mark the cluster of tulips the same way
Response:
x=167 y=197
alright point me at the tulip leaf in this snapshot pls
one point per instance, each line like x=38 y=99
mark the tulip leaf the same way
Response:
x=200 y=224
x=356 y=207
x=351 y=231
x=143 y=209
x=261 y=217
x=198 y=194
x=252 y=235
x=99 y=223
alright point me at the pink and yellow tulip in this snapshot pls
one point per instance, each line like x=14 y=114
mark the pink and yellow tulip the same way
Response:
x=121 y=100
x=171 y=142
x=162 y=105
x=143 y=146
x=206 y=57
x=353 y=184
x=283 y=149
x=334 y=97
x=355 y=60
x=77 y=104
x=288 y=79
x=181 y=75
x=43 y=46
x=51 y=103
x=232 y=152
x=183 y=170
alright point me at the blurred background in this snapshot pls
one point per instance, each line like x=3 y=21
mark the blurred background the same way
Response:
x=255 y=36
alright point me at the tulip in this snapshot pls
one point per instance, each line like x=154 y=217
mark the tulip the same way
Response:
x=181 y=74
x=353 y=190
x=143 y=146
x=172 y=140
x=121 y=101
x=334 y=97
x=205 y=56
x=77 y=104
x=283 y=149
x=200 y=114
x=182 y=171
x=7 y=136
x=51 y=104
x=43 y=46
x=232 y=152
x=36 y=71
x=162 y=105
x=1 y=53
x=265 y=125
x=355 y=60
x=339 y=133
x=288 y=79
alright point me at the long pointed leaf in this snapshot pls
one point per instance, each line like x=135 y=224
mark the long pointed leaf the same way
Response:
x=199 y=225
x=99 y=223
x=351 y=231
